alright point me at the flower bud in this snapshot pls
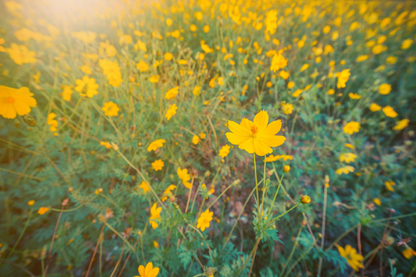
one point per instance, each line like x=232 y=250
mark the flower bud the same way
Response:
x=286 y=169
x=305 y=199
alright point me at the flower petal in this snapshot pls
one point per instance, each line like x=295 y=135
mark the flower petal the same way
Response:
x=149 y=268
x=247 y=145
x=154 y=272
x=236 y=140
x=141 y=271
x=272 y=129
x=260 y=120
x=273 y=141
x=237 y=129
x=260 y=148
x=21 y=108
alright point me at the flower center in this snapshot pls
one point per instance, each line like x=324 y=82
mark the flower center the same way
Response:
x=254 y=130
x=10 y=100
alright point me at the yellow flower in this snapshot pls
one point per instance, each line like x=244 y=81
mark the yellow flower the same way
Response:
x=278 y=62
x=196 y=91
x=284 y=74
x=144 y=186
x=256 y=136
x=52 y=122
x=401 y=124
x=290 y=85
x=304 y=67
x=110 y=109
x=331 y=92
x=156 y=144
x=344 y=170
x=384 y=89
x=67 y=93
x=170 y=94
x=155 y=244
x=168 y=192
x=389 y=112
x=168 y=56
x=349 y=145
x=42 y=210
x=305 y=199
x=148 y=271
x=86 y=69
x=15 y=101
x=195 y=140
x=272 y=158
x=361 y=58
x=112 y=71
x=286 y=169
x=36 y=77
x=297 y=93
x=352 y=127
x=389 y=185
x=106 y=144
x=224 y=151
x=185 y=177
x=155 y=214
x=31 y=202
x=354 y=95
x=353 y=258
x=377 y=201
x=374 y=107
x=377 y=49
x=171 y=111
x=20 y=54
x=287 y=108
x=142 y=66
x=347 y=157
x=204 y=219
x=158 y=165
x=154 y=78
x=409 y=253
x=343 y=77
x=88 y=85
x=87 y=37
x=391 y=60
x=406 y=43
x=202 y=135
x=206 y=28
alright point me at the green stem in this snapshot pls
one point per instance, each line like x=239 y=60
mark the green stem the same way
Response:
x=340 y=237
x=126 y=241
x=285 y=212
x=292 y=252
x=21 y=234
x=257 y=187
x=275 y=195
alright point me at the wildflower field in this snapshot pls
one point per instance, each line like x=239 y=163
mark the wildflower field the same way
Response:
x=207 y=138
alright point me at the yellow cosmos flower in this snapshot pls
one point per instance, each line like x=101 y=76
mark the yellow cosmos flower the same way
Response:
x=43 y=210
x=224 y=151
x=347 y=157
x=15 y=101
x=352 y=127
x=185 y=177
x=389 y=112
x=344 y=170
x=304 y=67
x=148 y=271
x=144 y=186
x=195 y=140
x=256 y=136
x=31 y=202
x=361 y=58
x=106 y=144
x=384 y=89
x=170 y=94
x=353 y=258
x=168 y=192
x=155 y=214
x=86 y=85
x=377 y=201
x=20 y=54
x=110 y=109
x=287 y=108
x=171 y=111
x=155 y=145
x=290 y=85
x=204 y=219
x=158 y=165
x=401 y=124
x=154 y=78
x=272 y=158
x=142 y=66
x=374 y=107
x=389 y=185
x=278 y=62
x=343 y=77
x=409 y=253
x=354 y=95
x=67 y=93
x=406 y=43
x=50 y=120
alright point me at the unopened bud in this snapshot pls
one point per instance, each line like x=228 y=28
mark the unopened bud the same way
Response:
x=305 y=199
x=286 y=169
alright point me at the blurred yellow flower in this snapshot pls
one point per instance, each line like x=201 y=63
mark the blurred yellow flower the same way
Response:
x=287 y=108
x=158 y=165
x=354 y=95
x=407 y=43
x=168 y=56
x=52 y=122
x=408 y=253
x=86 y=87
x=389 y=112
x=43 y=210
x=304 y=67
x=204 y=220
x=352 y=127
x=362 y=58
x=20 y=54
x=377 y=201
x=142 y=66
x=110 y=109
x=15 y=101
x=31 y=202
x=155 y=215
x=144 y=186
x=374 y=107
x=195 y=140
x=278 y=62
x=185 y=177
x=256 y=136
x=400 y=125
x=343 y=77
x=391 y=60
x=171 y=111
x=389 y=185
x=170 y=94
x=347 y=157
x=344 y=170
x=384 y=89
x=272 y=158
x=106 y=144
x=353 y=258
x=224 y=151
x=155 y=145
x=290 y=85
x=154 y=78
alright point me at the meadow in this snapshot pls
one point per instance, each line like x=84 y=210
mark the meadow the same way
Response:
x=207 y=138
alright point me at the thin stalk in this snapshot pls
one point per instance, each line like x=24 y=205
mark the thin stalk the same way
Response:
x=275 y=195
x=292 y=252
x=323 y=228
x=257 y=187
x=21 y=234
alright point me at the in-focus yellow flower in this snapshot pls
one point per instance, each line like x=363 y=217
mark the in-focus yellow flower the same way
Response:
x=158 y=165
x=110 y=109
x=344 y=170
x=195 y=140
x=384 y=89
x=353 y=258
x=347 y=157
x=256 y=136
x=352 y=127
x=305 y=199
x=204 y=219
x=170 y=94
x=155 y=215
x=148 y=271
x=343 y=77
x=155 y=145
x=171 y=111
x=15 y=101
x=401 y=124
x=224 y=151
x=185 y=177
x=389 y=112
x=389 y=185
x=374 y=107
x=43 y=210
x=144 y=186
